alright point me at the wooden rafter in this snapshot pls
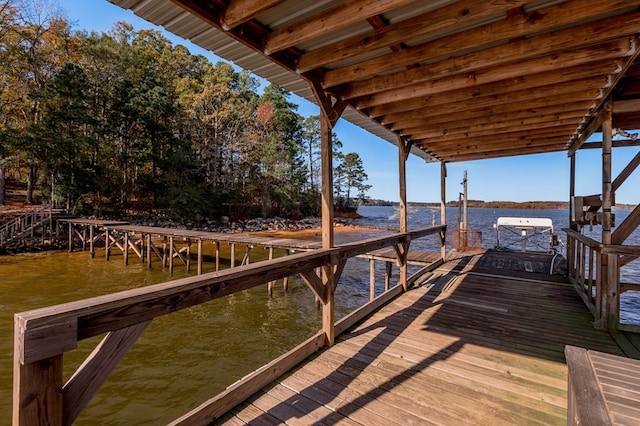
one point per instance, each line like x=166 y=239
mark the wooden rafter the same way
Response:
x=571 y=12
x=477 y=116
x=332 y=19
x=626 y=172
x=459 y=88
x=514 y=51
x=576 y=88
x=240 y=11
x=594 y=125
x=492 y=130
x=444 y=73
x=482 y=124
x=410 y=29
x=626 y=228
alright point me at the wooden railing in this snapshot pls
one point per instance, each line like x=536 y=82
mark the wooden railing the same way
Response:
x=25 y=225
x=594 y=270
x=43 y=335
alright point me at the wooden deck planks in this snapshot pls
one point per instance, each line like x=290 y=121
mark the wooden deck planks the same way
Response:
x=480 y=349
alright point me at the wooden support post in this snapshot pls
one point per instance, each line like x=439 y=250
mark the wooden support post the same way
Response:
x=271 y=283
x=84 y=237
x=164 y=252
x=92 y=250
x=403 y=154
x=609 y=262
x=37 y=391
x=247 y=256
x=171 y=254
x=199 y=256
x=232 y=250
x=188 y=254
x=572 y=190
x=285 y=280
x=70 y=237
x=125 y=249
x=331 y=110
x=107 y=243
x=149 y=251
x=443 y=209
x=372 y=279
x=328 y=309
x=217 y=256
x=387 y=275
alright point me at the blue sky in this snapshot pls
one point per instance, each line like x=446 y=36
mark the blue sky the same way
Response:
x=525 y=178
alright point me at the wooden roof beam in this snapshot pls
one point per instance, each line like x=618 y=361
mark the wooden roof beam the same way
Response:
x=515 y=136
x=415 y=107
x=476 y=146
x=563 y=67
x=478 y=116
x=620 y=143
x=563 y=14
x=625 y=106
x=594 y=125
x=437 y=20
x=334 y=18
x=539 y=45
x=240 y=11
x=490 y=128
x=511 y=121
x=501 y=153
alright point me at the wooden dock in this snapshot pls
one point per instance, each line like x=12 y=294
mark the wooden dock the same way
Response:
x=466 y=347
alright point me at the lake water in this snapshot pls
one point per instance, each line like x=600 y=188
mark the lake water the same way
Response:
x=185 y=358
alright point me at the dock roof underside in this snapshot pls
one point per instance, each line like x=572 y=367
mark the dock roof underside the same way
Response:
x=461 y=80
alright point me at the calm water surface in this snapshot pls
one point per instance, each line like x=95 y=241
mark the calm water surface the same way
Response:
x=185 y=358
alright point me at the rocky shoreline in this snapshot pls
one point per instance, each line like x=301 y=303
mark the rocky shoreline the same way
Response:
x=227 y=225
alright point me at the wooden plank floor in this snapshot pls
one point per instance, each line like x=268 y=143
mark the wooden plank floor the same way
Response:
x=464 y=348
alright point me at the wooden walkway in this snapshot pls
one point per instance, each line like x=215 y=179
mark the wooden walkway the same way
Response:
x=466 y=347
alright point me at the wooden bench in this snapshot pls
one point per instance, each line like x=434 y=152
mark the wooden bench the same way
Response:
x=603 y=389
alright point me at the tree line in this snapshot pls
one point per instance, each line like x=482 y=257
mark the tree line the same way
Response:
x=103 y=122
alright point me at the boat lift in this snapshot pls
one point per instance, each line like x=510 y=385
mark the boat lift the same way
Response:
x=535 y=231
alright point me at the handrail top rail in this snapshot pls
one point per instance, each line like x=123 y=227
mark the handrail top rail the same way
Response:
x=81 y=319
x=620 y=249
x=584 y=239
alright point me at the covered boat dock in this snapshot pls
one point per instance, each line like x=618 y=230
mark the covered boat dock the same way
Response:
x=448 y=81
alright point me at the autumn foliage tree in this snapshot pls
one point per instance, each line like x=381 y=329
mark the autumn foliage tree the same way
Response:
x=106 y=122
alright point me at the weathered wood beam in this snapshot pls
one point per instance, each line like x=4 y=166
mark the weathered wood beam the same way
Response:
x=589 y=76
x=571 y=91
x=594 y=125
x=564 y=126
x=464 y=156
x=626 y=172
x=240 y=11
x=482 y=124
x=479 y=116
x=627 y=227
x=559 y=15
x=625 y=106
x=586 y=403
x=331 y=107
x=504 y=138
x=582 y=35
x=332 y=19
x=624 y=143
x=627 y=121
x=408 y=29
x=94 y=371
x=554 y=69
x=315 y=283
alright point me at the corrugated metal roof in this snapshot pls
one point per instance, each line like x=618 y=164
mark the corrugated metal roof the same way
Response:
x=459 y=79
